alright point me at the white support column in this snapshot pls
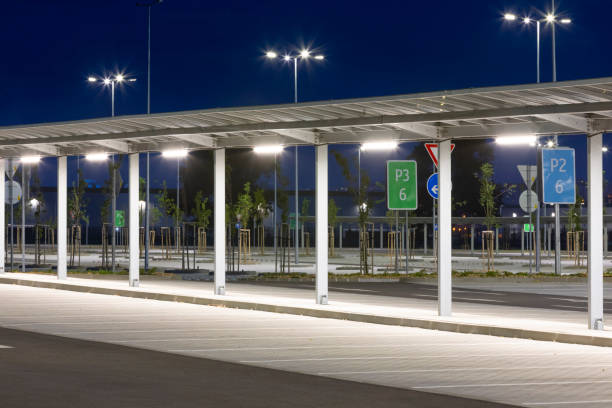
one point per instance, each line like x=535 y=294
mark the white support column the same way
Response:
x=219 y=222
x=444 y=231
x=321 y=224
x=62 y=210
x=134 y=230
x=2 y=223
x=595 y=228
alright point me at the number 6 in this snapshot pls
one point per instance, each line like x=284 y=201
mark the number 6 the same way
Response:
x=559 y=186
x=402 y=194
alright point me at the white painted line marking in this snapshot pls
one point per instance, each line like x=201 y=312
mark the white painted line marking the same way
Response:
x=568 y=402
x=212 y=329
x=357 y=336
x=353 y=290
x=334 y=347
x=430 y=387
x=5 y=347
x=418 y=357
x=435 y=370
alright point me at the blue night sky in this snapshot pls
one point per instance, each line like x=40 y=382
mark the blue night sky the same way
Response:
x=210 y=54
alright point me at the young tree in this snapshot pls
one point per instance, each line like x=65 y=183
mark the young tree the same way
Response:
x=261 y=207
x=77 y=204
x=487 y=193
x=332 y=213
x=244 y=205
x=305 y=207
x=201 y=212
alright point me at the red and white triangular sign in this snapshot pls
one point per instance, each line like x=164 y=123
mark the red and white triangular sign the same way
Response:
x=432 y=149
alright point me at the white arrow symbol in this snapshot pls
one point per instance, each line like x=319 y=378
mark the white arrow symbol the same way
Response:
x=434 y=190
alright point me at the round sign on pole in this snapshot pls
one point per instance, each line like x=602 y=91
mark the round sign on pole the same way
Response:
x=432 y=186
x=528 y=200
x=12 y=192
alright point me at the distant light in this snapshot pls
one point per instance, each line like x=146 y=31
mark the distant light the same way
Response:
x=287 y=58
x=550 y=18
x=513 y=215
x=305 y=54
x=119 y=78
x=509 y=17
x=175 y=153
x=526 y=20
x=319 y=57
x=142 y=205
x=364 y=206
x=553 y=214
x=379 y=146
x=107 y=81
x=132 y=80
x=550 y=143
x=604 y=149
x=96 y=157
x=565 y=20
x=30 y=159
x=268 y=149
x=516 y=140
x=34 y=203
x=92 y=79
x=271 y=54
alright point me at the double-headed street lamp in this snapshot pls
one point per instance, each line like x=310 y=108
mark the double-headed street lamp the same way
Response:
x=549 y=19
x=111 y=81
x=304 y=54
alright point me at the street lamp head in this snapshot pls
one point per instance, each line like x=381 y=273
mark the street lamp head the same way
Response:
x=509 y=17
x=604 y=149
x=565 y=20
x=178 y=153
x=550 y=18
x=550 y=143
x=517 y=140
x=30 y=159
x=526 y=20
x=287 y=58
x=91 y=79
x=271 y=54
x=266 y=149
x=132 y=80
x=305 y=53
x=119 y=78
x=107 y=81
x=319 y=57
x=379 y=146
x=96 y=157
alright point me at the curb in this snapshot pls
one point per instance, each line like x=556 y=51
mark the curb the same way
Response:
x=466 y=328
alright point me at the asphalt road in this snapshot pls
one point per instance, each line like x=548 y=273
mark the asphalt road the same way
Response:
x=125 y=352
x=519 y=296
x=49 y=371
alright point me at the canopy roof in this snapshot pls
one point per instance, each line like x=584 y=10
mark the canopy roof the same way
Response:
x=571 y=107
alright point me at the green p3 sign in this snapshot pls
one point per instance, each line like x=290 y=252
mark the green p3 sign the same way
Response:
x=401 y=185
x=119 y=218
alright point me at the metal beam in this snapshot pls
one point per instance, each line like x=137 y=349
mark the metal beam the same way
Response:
x=595 y=235
x=571 y=121
x=431 y=132
x=198 y=139
x=307 y=136
x=114 y=145
x=43 y=148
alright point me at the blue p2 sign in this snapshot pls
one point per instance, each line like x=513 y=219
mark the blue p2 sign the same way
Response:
x=558 y=176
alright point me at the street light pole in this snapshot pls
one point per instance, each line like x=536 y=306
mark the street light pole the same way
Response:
x=147 y=210
x=304 y=54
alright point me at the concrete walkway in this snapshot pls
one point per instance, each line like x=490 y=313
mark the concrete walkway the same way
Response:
x=565 y=326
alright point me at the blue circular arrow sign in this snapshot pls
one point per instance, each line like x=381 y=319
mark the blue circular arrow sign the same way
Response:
x=432 y=185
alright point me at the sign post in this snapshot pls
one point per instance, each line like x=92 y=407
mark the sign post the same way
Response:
x=401 y=194
x=401 y=185
x=558 y=186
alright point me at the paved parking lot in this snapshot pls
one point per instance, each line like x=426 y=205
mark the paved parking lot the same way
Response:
x=513 y=371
